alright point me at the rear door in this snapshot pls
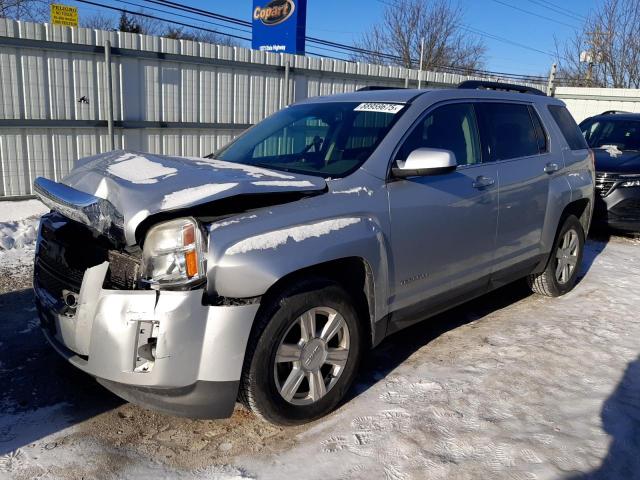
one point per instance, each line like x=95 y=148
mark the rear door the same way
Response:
x=443 y=226
x=516 y=142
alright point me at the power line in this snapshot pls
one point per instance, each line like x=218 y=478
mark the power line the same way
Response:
x=504 y=40
x=321 y=43
x=557 y=8
x=217 y=32
x=350 y=48
x=535 y=14
x=181 y=16
x=200 y=11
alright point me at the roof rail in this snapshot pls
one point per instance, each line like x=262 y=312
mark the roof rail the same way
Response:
x=369 y=88
x=613 y=112
x=508 y=87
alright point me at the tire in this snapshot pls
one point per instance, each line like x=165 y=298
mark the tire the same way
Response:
x=563 y=266
x=281 y=332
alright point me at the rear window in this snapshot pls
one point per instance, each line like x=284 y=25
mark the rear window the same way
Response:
x=507 y=130
x=568 y=127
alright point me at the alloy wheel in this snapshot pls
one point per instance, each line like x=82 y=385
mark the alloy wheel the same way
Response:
x=567 y=256
x=311 y=356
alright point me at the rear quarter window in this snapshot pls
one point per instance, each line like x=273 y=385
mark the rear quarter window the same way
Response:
x=568 y=126
x=507 y=131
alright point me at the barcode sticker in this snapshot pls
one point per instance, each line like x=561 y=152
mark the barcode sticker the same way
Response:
x=392 y=108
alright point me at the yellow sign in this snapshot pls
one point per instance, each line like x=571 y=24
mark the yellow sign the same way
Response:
x=64 y=15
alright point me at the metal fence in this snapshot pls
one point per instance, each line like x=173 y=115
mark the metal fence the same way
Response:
x=168 y=96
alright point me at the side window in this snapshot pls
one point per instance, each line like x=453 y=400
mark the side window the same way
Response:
x=507 y=130
x=568 y=127
x=450 y=127
x=541 y=135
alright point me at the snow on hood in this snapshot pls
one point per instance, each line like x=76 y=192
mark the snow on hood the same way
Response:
x=142 y=184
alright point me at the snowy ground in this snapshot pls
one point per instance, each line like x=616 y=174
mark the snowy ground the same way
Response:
x=507 y=386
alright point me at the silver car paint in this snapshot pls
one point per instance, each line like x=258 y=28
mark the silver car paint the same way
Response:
x=417 y=237
x=142 y=184
x=196 y=342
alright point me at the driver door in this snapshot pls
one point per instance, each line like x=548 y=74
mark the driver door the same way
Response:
x=443 y=226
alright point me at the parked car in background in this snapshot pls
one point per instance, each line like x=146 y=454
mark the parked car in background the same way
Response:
x=265 y=271
x=615 y=138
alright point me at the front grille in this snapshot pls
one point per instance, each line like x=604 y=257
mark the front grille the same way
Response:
x=54 y=282
x=605 y=183
x=66 y=249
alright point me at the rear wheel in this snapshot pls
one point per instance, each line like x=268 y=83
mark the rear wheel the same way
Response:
x=303 y=354
x=561 y=273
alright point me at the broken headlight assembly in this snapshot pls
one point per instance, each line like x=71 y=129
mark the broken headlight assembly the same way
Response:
x=174 y=254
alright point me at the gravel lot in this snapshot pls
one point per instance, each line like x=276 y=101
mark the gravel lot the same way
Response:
x=507 y=386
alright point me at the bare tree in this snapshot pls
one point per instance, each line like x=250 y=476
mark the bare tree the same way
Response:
x=406 y=22
x=198 y=35
x=98 y=21
x=30 y=10
x=606 y=52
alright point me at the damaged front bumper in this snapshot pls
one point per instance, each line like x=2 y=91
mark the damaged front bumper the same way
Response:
x=165 y=350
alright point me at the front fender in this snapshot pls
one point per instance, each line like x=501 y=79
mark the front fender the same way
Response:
x=248 y=267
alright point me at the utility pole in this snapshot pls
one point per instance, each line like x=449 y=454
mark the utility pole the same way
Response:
x=551 y=86
x=593 y=55
x=109 y=96
x=421 y=63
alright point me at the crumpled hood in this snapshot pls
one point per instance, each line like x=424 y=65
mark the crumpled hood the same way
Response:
x=143 y=184
x=612 y=160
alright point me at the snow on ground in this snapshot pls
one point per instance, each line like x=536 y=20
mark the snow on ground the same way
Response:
x=510 y=385
x=19 y=223
x=18 y=230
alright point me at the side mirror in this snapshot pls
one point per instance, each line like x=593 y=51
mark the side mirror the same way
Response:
x=425 y=161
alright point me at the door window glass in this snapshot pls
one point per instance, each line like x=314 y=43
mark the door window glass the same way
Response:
x=450 y=127
x=507 y=130
x=541 y=135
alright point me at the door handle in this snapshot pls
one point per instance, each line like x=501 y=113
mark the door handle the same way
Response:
x=483 y=182
x=551 y=167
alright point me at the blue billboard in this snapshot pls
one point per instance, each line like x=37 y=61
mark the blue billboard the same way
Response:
x=279 y=25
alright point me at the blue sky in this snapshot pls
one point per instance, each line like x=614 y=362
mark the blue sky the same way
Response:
x=345 y=20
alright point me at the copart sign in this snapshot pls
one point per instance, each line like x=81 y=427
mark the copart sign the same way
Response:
x=279 y=26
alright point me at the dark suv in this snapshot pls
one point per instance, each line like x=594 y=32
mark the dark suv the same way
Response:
x=615 y=138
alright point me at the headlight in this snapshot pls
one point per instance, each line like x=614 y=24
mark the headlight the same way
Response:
x=631 y=183
x=173 y=254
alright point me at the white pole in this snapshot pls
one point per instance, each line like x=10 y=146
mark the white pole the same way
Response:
x=551 y=86
x=421 y=60
x=109 y=86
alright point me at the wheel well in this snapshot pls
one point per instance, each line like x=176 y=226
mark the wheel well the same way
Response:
x=581 y=209
x=352 y=273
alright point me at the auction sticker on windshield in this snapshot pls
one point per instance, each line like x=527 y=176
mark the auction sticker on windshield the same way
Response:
x=392 y=108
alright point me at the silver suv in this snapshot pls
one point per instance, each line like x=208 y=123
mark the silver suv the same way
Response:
x=264 y=271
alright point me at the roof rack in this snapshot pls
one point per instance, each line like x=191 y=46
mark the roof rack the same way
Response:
x=614 y=112
x=508 y=87
x=369 y=88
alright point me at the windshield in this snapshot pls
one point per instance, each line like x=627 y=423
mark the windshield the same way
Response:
x=623 y=134
x=323 y=139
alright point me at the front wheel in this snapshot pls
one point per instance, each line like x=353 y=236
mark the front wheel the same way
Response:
x=303 y=353
x=561 y=272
